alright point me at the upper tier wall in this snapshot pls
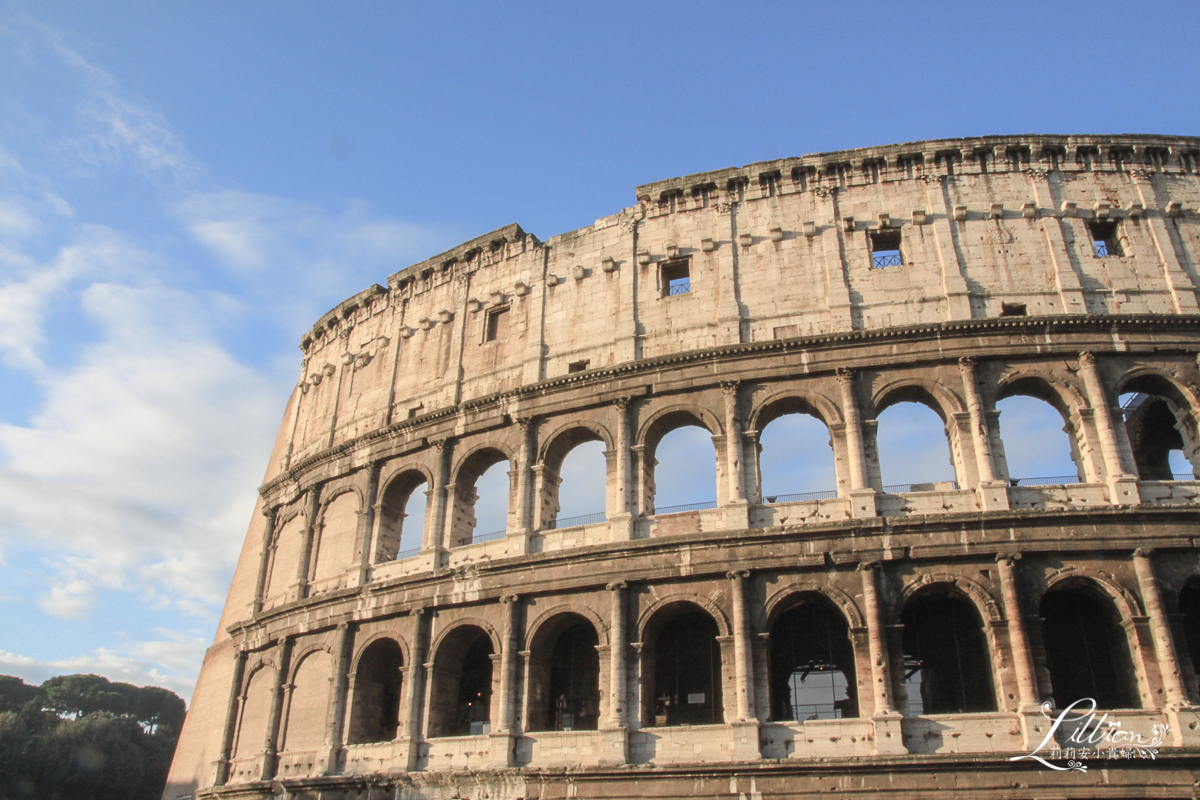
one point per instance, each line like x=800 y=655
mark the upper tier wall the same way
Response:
x=779 y=249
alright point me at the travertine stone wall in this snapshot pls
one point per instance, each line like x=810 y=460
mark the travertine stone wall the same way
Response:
x=508 y=348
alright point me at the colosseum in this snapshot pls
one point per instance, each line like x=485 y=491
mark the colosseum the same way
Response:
x=890 y=640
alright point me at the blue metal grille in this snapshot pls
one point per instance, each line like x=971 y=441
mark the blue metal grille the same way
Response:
x=1101 y=248
x=800 y=498
x=886 y=258
x=687 y=507
x=680 y=286
x=583 y=519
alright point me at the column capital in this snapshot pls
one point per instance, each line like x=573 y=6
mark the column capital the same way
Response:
x=1143 y=552
x=866 y=566
x=524 y=422
x=738 y=573
x=1087 y=358
x=844 y=374
x=509 y=598
x=440 y=443
x=730 y=388
x=616 y=586
x=622 y=403
x=1008 y=558
x=968 y=362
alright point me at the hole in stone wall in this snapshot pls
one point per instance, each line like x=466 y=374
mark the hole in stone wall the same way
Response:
x=1154 y=436
x=496 y=324
x=1013 y=310
x=1105 y=241
x=812 y=665
x=375 y=706
x=885 y=249
x=1086 y=649
x=676 y=277
x=946 y=661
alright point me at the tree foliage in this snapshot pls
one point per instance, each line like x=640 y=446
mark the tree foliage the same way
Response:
x=81 y=736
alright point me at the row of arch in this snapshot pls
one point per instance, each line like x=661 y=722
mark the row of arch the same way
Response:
x=432 y=500
x=815 y=659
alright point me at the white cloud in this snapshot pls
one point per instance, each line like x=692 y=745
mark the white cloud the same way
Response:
x=170 y=661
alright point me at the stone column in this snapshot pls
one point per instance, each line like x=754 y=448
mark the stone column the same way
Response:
x=743 y=668
x=264 y=564
x=414 y=691
x=615 y=726
x=1122 y=484
x=993 y=494
x=233 y=708
x=366 y=524
x=519 y=539
x=737 y=510
x=434 y=544
x=621 y=518
x=279 y=695
x=888 y=735
x=300 y=587
x=1027 y=695
x=502 y=738
x=336 y=721
x=1160 y=629
x=862 y=496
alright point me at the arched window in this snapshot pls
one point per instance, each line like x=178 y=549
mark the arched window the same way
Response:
x=461 y=686
x=482 y=490
x=308 y=703
x=575 y=474
x=564 y=681
x=913 y=448
x=1156 y=436
x=1189 y=609
x=946 y=661
x=682 y=669
x=685 y=475
x=812 y=664
x=402 y=517
x=795 y=458
x=1087 y=651
x=1037 y=442
x=375 y=709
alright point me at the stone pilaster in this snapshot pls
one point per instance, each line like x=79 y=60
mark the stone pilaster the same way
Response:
x=862 y=496
x=1122 y=484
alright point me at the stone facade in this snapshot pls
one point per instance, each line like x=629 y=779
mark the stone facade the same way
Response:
x=953 y=273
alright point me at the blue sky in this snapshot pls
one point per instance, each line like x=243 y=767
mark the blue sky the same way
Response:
x=184 y=188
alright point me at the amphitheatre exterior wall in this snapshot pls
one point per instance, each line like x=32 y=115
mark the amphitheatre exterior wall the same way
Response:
x=952 y=272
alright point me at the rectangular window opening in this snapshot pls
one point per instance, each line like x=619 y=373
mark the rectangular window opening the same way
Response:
x=676 y=277
x=1013 y=310
x=1104 y=237
x=577 y=366
x=885 y=249
x=496 y=324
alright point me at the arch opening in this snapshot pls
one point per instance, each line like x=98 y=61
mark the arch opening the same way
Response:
x=378 y=680
x=461 y=686
x=1161 y=434
x=913 y=446
x=1189 y=610
x=683 y=474
x=482 y=493
x=576 y=473
x=1039 y=440
x=812 y=664
x=402 y=517
x=564 y=680
x=683 y=669
x=795 y=457
x=947 y=669
x=1087 y=651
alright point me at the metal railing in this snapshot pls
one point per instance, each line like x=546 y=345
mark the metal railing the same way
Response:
x=487 y=537
x=686 y=507
x=886 y=260
x=905 y=488
x=582 y=519
x=403 y=554
x=680 y=287
x=800 y=498
x=1057 y=480
x=1183 y=476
